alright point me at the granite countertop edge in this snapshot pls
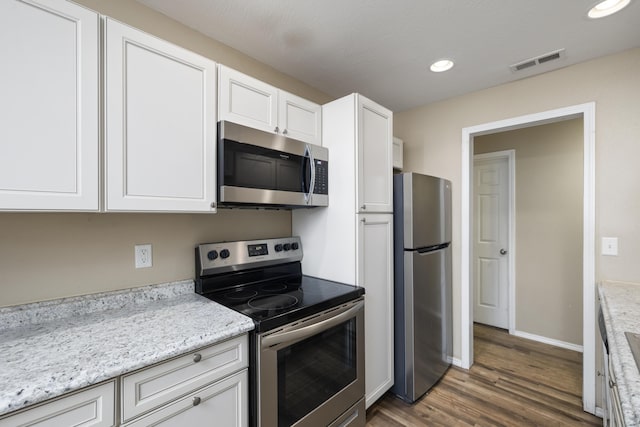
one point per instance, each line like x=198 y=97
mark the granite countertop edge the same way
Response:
x=619 y=302
x=56 y=347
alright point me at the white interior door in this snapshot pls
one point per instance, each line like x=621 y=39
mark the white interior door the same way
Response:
x=491 y=241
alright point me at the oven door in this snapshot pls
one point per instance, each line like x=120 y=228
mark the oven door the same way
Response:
x=312 y=371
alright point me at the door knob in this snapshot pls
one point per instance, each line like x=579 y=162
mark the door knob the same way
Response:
x=503 y=252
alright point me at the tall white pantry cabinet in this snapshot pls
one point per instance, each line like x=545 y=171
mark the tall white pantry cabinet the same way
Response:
x=351 y=241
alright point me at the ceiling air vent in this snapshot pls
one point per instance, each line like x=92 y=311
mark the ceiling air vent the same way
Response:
x=538 y=60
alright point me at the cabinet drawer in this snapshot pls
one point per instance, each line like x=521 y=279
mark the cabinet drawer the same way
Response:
x=152 y=387
x=226 y=402
x=93 y=407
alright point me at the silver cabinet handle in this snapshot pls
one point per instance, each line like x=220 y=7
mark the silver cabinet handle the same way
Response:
x=277 y=129
x=197 y=357
x=213 y=204
x=284 y=132
x=503 y=252
x=196 y=401
x=363 y=220
x=363 y=207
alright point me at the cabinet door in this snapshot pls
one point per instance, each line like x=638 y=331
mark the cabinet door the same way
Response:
x=375 y=274
x=299 y=118
x=155 y=386
x=160 y=128
x=247 y=101
x=614 y=408
x=92 y=407
x=375 y=153
x=224 y=403
x=49 y=136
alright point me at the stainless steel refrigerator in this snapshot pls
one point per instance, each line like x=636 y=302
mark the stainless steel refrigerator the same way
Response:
x=422 y=288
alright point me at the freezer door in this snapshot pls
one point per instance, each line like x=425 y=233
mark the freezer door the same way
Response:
x=426 y=210
x=428 y=319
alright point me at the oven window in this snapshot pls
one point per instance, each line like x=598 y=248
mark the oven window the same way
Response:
x=313 y=370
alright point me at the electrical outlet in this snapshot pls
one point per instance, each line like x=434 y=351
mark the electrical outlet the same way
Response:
x=143 y=256
x=610 y=246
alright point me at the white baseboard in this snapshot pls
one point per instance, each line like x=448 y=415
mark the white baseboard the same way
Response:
x=599 y=412
x=456 y=362
x=551 y=341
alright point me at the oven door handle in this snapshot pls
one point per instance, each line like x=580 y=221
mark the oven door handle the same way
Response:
x=310 y=330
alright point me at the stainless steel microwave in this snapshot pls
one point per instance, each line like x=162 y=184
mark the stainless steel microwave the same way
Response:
x=261 y=169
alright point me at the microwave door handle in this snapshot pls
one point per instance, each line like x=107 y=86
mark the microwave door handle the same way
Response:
x=308 y=155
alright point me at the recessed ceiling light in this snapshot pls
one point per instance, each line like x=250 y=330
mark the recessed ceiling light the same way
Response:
x=607 y=7
x=441 y=65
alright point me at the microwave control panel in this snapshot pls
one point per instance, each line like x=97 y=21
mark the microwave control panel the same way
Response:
x=322 y=177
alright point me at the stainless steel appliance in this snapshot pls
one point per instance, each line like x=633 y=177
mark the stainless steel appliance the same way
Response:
x=257 y=168
x=307 y=349
x=422 y=257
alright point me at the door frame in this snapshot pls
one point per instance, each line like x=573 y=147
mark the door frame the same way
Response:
x=587 y=113
x=510 y=155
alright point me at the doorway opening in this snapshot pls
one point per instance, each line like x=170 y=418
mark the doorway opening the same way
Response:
x=587 y=113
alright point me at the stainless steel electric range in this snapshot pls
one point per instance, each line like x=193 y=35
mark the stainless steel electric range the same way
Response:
x=307 y=349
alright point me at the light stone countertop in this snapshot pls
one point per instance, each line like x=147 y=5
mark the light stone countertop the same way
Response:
x=51 y=348
x=620 y=304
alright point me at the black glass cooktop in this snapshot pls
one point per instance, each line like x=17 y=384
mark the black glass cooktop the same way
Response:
x=276 y=303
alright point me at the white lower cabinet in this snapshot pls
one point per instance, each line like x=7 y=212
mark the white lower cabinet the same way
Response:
x=166 y=383
x=92 y=407
x=375 y=275
x=614 y=414
x=224 y=403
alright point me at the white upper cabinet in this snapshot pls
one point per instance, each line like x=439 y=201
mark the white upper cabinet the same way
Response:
x=247 y=101
x=49 y=131
x=251 y=102
x=160 y=126
x=375 y=156
x=299 y=118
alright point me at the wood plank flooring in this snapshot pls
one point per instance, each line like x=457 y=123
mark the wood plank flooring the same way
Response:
x=513 y=382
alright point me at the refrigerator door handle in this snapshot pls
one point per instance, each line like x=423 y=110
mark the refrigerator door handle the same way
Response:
x=433 y=248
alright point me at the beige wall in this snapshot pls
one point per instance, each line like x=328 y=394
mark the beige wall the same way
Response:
x=548 y=217
x=432 y=135
x=45 y=256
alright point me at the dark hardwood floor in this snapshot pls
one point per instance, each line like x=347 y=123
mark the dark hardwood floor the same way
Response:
x=513 y=382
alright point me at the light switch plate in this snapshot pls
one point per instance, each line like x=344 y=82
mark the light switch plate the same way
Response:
x=610 y=246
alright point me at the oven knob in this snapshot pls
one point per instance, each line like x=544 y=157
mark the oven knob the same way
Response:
x=212 y=255
x=287 y=246
x=295 y=246
x=278 y=247
x=224 y=253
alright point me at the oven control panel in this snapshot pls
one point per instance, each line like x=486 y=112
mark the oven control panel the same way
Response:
x=215 y=258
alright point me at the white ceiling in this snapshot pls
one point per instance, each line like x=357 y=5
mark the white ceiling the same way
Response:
x=383 y=48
